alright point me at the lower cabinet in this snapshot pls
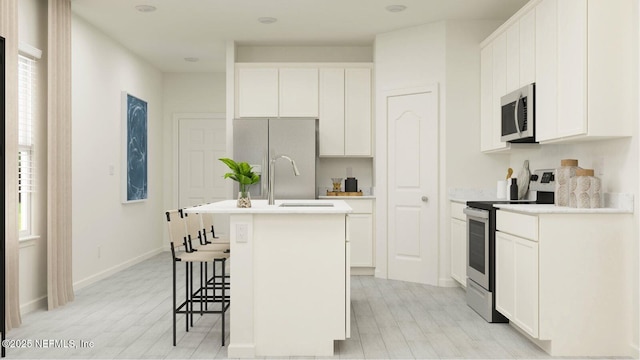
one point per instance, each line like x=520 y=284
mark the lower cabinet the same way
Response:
x=458 y=243
x=558 y=279
x=360 y=232
x=517 y=281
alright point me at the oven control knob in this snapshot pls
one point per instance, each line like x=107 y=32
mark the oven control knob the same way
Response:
x=425 y=199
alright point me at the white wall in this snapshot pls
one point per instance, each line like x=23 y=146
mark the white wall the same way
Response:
x=446 y=54
x=185 y=93
x=32 y=30
x=109 y=235
x=249 y=53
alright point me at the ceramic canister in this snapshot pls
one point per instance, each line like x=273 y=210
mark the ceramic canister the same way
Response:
x=563 y=176
x=586 y=190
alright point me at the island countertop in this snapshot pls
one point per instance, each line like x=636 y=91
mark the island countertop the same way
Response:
x=307 y=206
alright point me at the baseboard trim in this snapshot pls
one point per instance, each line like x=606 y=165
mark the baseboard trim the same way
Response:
x=33 y=305
x=362 y=271
x=114 y=269
x=635 y=351
x=241 y=351
x=447 y=282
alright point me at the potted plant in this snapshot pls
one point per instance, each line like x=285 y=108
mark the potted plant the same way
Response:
x=243 y=174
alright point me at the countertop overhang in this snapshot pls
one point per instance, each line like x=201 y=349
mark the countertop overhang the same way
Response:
x=262 y=207
x=552 y=209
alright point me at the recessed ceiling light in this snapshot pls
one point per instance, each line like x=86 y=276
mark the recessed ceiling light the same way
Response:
x=395 y=8
x=191 y=59
x=267 y=20
x=145 y=8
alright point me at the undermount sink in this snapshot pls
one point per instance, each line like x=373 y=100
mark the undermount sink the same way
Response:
x=306 y=205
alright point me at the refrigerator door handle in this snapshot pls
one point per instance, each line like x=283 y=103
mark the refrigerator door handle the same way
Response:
x=265 y=174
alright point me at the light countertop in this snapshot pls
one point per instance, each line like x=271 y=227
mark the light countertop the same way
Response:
x=363 y=197
x=552 y=209
x=261 y=207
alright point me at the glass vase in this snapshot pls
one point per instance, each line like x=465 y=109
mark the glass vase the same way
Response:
x=244 y=199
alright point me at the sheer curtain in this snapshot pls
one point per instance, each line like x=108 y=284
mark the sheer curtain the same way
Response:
x=59 y=277
x=9 y=30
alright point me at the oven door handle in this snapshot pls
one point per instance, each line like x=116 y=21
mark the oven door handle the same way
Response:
x=482 y=214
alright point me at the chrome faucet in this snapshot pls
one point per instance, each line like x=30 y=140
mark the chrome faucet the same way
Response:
x=272 y=175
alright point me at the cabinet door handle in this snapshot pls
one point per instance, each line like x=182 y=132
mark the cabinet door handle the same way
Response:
x=424 y=198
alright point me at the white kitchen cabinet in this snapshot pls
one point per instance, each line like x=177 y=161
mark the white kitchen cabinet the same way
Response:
x=357 y=112
x=298 y=92
x=360 y=233
x=257 y=92
x=557 y=279
x=527 y=27
x=517 y=281
x=331 y=124
x=493 y=77
x=583 y=86
x=458 y=243
x=345 y=122
x=513 y=58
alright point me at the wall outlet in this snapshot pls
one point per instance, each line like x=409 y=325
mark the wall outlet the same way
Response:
x=242 y=233
x=111 y=170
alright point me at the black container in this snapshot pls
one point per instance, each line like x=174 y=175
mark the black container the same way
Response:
x=351 y=184
x=514 y=189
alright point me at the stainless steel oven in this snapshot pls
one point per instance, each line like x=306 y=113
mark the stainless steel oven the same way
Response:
x=478 y=246
x=481 y=226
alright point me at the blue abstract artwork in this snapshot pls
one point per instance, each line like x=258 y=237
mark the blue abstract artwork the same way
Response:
x=136 y=149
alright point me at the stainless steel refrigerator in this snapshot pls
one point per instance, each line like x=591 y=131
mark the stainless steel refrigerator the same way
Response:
x=258 y=140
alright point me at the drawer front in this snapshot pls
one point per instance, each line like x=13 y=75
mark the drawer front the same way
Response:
x=361 y=206
x=525 y=226
x=456 y=211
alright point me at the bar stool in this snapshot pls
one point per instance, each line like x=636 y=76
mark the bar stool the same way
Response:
x=181 y=251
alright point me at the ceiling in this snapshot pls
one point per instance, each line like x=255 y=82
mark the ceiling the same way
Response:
x=181 y=29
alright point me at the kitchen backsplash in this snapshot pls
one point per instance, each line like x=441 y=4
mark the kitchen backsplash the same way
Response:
x=612 y=161
x=361 y=169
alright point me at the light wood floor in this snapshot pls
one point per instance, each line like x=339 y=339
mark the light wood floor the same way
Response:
x=128 y=316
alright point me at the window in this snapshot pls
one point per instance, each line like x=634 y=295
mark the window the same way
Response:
x=27 y=67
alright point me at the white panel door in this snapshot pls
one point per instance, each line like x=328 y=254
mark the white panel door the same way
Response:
x=412 y=124
x=201 y=142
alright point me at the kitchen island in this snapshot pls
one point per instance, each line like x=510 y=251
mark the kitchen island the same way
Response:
x=289 y=276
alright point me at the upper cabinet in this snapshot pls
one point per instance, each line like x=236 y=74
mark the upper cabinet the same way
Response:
x=587 y=72
x=579 y=54
x=345 y=112
x=298 y=92
x=277 y=92
x=257 y=92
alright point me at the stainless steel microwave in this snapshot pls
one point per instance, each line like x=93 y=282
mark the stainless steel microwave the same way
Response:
x=518 y=116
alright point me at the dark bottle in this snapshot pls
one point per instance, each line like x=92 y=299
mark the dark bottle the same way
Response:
x=513 y=195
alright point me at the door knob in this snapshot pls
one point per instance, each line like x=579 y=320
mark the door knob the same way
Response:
x=425 y=199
